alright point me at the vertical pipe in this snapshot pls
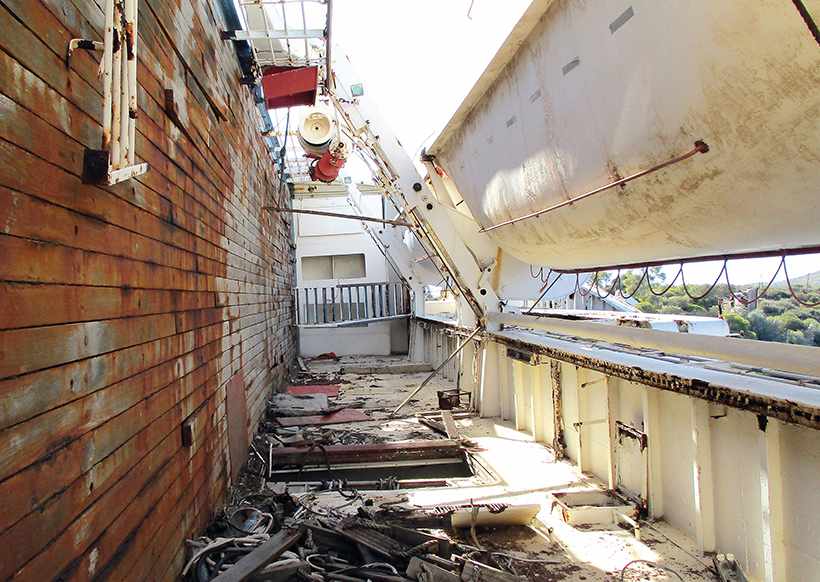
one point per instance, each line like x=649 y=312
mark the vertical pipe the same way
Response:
x=132 y=83
x=538 y=428
x=124 y=87
x=108 y=57
x=304 y=26
x=296 y=304
x=771 y=500
x=116 y=94
x=652 y=416
x=287 y=34
x=328 y=71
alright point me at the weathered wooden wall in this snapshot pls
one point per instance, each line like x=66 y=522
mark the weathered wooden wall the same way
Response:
x=126 y=311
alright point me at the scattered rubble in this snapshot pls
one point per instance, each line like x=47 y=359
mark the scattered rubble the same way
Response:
x=282 y=537
x=323 y=499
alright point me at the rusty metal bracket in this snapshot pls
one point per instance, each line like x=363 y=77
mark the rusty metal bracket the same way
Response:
x=95 y=166
x=81 y=43
x=628 y=431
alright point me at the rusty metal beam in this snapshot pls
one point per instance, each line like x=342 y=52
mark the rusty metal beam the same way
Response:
x=786 y=411
x=786 y=357
x=336 y=215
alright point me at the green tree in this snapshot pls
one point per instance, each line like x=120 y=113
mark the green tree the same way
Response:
x=738 y=324
x=791 y=322
x=646 y=307
x=767 y=329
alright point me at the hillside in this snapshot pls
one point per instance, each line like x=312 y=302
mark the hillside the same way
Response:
x=799 y=282
x=777 y=317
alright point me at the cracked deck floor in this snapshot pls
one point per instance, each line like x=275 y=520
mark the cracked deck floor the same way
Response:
x=522 y=471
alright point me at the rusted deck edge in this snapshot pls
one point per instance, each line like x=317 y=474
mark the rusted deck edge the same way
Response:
x=783 y=409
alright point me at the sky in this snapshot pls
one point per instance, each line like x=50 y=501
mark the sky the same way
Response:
x=419 y=60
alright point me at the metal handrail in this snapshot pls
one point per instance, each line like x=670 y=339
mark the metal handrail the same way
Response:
x=350 y=303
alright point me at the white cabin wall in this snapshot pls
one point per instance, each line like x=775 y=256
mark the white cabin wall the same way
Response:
x=570 y=404
x=711 y=471
x=736 y=465
x=369 y=339
x=800 y=472
x=323 y=236
x=677 y=468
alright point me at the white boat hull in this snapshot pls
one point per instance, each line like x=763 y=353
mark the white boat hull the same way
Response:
x=579 y=106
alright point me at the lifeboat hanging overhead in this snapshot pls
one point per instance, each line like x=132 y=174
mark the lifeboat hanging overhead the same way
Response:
x=586 y=94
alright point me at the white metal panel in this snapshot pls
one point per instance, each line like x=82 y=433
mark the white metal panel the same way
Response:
x=742 y=78
x=677 y=462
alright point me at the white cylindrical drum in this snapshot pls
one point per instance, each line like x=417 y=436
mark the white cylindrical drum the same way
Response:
x=317 y=129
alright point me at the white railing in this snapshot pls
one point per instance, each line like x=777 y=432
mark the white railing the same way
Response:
x=116 y=161
x=350 y=304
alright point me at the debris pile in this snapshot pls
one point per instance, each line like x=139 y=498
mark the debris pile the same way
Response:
x=280 y=537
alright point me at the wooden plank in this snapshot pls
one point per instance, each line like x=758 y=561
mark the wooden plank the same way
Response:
x=28 y=90
x=434 y=573
x=237 y=423
x=410 y=451
x=164 y=530
x=37 y=262
x=23 y=128
x=27 y=442
x=29 y=349
x=245 y=568
x=27 y=173
x=83 y=469
x=26 y=396
x=77 y=537
x=166 y=490
x=472 y=570
x=32 y=218
x=34 y=303
x=344 y=415
x=43 y=524
x=449 y=424
x=331 y=390
x=35 y=56
x=147 y=247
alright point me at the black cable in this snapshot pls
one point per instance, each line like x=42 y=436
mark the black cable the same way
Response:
x=544 y=293
x=638 y=286
x=652 y=565
x=807 y=19
x=794 y=294
x=307 y=454
x=651 y=290
x=686 y=289
x=762 y=293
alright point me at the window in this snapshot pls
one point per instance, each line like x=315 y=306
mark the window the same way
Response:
x=333 y=267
